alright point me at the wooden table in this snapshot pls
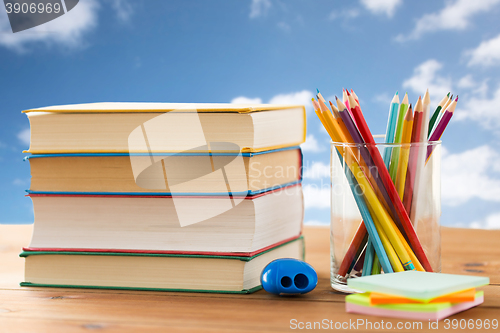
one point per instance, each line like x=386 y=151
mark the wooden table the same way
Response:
x=464 y=251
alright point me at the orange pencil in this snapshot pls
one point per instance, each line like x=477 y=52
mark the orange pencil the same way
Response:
x=404 y=152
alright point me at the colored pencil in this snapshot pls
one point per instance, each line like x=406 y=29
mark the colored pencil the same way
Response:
x=448 y=102
x=401 y=214
x=341 y=134
x=367 y=218
x=413 y=157
x=344 y=98
x=376 y=266
x=397 y=138
x=360 y=238
x=438 y=132
x=380 y=213
x=426 y=108
x=435 y=115
x=355 y=96
x=319 y=96
x=404 y=152
x=391 y=128
x=338 y=136
x=389 y=138
x=391 y=252
x=335 y=110
x=350 y=127
x=369 y=258
x=420 y=165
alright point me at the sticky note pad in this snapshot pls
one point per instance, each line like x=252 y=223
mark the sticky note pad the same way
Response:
x=467 y=295
x=360 y=303
x=417 y=285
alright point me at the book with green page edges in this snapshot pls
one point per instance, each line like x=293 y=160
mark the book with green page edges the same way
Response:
x=149 y=271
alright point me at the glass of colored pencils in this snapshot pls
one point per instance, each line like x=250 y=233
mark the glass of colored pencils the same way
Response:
x=385 y=196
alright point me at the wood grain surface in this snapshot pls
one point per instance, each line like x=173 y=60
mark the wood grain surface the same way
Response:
x=464 y=251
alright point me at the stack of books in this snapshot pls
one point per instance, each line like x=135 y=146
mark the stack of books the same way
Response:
x=415 y=295
x=161 y=196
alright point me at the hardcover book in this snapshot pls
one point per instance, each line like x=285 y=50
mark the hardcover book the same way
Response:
x=164 y=174
x=164 y=127
x=166 y=223
x=148 y=271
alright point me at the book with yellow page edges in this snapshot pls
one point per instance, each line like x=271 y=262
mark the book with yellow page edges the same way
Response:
x=164 y=127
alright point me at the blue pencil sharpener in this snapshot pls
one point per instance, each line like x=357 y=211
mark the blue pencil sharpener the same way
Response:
x=288 y=276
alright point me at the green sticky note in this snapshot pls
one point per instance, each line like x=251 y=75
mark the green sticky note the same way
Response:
x=417 y=285
x=364 y=300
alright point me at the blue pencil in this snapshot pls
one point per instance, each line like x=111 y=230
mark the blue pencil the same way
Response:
x=391 y=128
x=389 y=138
x=367 y=218
x=369 y=257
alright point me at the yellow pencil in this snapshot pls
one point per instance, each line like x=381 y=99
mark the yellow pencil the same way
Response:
x=380 y=214
x=404 y=152
x=391 y=254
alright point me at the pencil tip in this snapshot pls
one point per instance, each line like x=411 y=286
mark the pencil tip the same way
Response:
x=312 y=99
x=317 y=90
x=397 y=93
x=347 y=91
x=456 y=99
x=449 y=92
x=336 y=98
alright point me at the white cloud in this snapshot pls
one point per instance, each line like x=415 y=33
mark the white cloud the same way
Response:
x=284 y=26
x=20 y=182
x=300 y=98
x=259 y=8
x=486 y=54
x=317 y=223
x=466 y=82
x=470 y=174
x=383 y=99
x=316 y=170
x=490 y=222
x=311 y=144
x=381 y=7
x=315 y=197
x=345 y=14
x=67 y=30
x=480 y=108
x=24 y=136
x=246 y=100
x=455 y=15
x=425 y=77
x=295 y=98
x=123 y=9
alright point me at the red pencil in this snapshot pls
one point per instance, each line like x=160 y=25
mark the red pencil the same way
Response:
x=352 y=253
x=401 y=215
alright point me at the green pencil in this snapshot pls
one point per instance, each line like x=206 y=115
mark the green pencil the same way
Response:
x=436 y=113
x=397 y=139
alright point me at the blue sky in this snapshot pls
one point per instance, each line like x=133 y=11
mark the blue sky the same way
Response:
x=269 y=51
